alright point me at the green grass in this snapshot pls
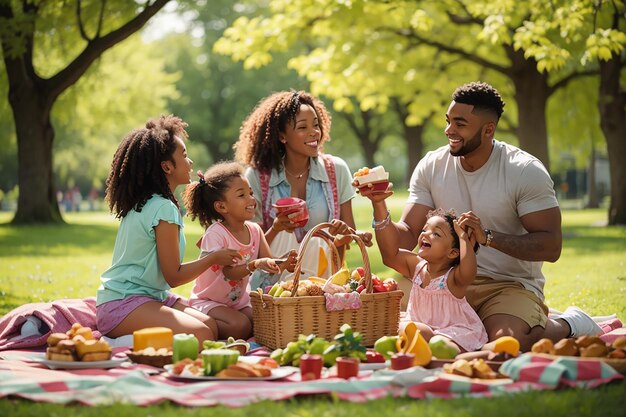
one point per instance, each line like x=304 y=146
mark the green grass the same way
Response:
x=43 y=263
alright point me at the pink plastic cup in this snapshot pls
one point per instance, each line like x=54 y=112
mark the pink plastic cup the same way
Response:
x=347 y=367
x=295 y=207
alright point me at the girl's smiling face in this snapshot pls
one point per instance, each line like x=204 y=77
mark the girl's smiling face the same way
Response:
x=178 y=169
x=435 y=243
x=303 y=136
x=238 y=202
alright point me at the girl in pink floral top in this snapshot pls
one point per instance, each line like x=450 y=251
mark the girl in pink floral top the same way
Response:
x=441 y=271
x=223 y=202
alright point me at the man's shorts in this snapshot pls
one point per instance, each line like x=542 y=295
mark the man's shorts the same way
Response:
x=488 y=297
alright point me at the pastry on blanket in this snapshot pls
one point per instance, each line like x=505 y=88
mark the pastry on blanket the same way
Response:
x=585 y=341
x=595 y=350
x=63 y=350
x=93 y=350
x=544 y=345
x=55 y=338
x=566 y=347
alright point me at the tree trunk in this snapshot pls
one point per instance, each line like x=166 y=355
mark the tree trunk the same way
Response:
x=592 y=190
x=612 y=116
x=414 y=146
x=531 y=95
x=37 y=202
x=32 y=97
x=412 y=137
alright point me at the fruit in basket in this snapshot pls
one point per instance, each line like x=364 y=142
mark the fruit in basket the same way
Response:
x=391 y=283
x=386 y=346
x=442 y=348
x=358 y=273
x=274 y=288
x=340 y=277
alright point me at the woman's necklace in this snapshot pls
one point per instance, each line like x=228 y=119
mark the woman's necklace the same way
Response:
x=297 y=176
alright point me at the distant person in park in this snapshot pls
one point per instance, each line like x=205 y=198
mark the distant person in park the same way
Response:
x=147 y=258
x=223 y=202
x=510 y=208
x=282 y=142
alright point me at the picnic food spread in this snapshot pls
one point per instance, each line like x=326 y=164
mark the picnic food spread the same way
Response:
x=77 y=344
x=583 y=346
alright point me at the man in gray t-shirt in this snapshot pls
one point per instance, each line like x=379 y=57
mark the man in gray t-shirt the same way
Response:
x=511 y=210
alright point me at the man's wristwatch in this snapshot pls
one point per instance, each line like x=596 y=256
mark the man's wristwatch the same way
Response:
x=489 y=236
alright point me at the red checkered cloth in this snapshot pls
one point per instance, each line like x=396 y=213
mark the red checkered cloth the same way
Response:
x=21 y=376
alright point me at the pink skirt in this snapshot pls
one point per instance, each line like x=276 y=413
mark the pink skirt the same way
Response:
x=110 y=315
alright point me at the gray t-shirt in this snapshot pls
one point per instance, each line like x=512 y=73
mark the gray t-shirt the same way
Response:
x=511 y=184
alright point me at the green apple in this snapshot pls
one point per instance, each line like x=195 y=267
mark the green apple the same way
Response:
x=442 y=347
x=386 y=346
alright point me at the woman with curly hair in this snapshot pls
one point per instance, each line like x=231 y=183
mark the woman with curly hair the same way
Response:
x=282 y=143
x=147 y=258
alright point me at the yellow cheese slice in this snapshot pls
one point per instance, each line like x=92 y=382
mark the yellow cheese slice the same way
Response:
x=156 y=337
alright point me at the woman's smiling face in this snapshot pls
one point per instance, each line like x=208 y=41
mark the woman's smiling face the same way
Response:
x=303 y=136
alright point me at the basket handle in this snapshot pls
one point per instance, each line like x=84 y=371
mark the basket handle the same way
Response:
x=335 y=255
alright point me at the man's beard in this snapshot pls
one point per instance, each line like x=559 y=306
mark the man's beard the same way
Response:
x=469 y=145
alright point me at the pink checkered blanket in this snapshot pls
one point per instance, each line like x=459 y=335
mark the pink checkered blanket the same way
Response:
x=21 y=375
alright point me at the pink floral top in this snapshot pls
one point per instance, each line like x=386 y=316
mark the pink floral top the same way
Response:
x=212 y=284
x=447 y=315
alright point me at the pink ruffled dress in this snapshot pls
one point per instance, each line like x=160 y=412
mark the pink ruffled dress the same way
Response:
x=447 y=315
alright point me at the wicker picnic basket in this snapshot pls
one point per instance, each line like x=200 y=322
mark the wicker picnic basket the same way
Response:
x=279 y=320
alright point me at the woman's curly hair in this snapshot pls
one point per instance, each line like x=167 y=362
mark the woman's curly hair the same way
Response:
x=136 y=172
x=259 y=144
x=200 y=196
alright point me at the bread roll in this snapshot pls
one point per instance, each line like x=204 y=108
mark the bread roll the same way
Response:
x=55 y=338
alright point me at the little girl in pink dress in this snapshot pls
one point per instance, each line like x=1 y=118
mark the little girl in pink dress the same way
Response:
x=223 y=201
x=442 y=269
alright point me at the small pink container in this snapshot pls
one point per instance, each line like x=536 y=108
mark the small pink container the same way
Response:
x=401 y=361
x=311 y=366
x=347 y=367
x=295 y=206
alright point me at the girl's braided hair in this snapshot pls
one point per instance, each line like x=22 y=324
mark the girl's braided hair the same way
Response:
x=200 y=196
x=136 y=172
x=259 y=142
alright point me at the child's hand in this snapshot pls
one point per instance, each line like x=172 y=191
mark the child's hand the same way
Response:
x=267 y=264
x=225 y=257
x=461 y=230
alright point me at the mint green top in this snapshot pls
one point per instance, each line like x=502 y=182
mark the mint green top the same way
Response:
x=135 y=269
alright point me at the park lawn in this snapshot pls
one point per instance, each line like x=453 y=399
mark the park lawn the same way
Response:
x=43 y=263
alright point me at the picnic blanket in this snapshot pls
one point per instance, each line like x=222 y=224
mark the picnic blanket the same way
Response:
x=22 y=376
x=55 y=316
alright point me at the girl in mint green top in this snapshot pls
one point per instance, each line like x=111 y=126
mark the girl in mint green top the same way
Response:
x=147 y=258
